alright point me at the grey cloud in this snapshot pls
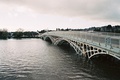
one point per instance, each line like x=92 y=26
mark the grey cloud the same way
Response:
x=101 y=10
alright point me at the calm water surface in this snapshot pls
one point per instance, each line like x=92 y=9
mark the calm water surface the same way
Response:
x=35 y=59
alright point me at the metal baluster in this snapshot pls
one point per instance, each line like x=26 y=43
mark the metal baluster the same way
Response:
x=98 y=39
x=91 y=37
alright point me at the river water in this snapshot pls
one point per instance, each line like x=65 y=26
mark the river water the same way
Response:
x=35 y=59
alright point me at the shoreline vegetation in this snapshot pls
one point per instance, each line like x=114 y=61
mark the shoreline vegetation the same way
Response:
x=20 y=33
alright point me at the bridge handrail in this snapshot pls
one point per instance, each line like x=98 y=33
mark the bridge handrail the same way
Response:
x=110 y=42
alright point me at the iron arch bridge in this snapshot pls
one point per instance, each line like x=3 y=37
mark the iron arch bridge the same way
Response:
x=81 y=46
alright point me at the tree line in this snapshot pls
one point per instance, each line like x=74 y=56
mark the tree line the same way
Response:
x=107 y=28
x=20 y=33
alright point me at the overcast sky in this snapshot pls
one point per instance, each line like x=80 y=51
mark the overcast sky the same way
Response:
x=51 y=14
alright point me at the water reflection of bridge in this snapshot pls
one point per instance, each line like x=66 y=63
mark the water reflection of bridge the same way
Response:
x=87 y=43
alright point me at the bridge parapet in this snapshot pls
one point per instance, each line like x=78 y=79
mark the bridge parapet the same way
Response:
x=108 y=41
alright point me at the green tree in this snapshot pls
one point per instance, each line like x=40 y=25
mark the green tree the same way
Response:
x=18 y=33
x=30 y=34
x=3 y=34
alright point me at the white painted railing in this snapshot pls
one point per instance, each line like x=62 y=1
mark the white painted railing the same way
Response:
x=100 y=38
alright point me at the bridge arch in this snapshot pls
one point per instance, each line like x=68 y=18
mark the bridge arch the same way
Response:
x=98 y=54
x=60 y=41
x=104 y=57
x=49 y=39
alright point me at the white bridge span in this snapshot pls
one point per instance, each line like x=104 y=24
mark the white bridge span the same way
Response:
x=87 y=44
